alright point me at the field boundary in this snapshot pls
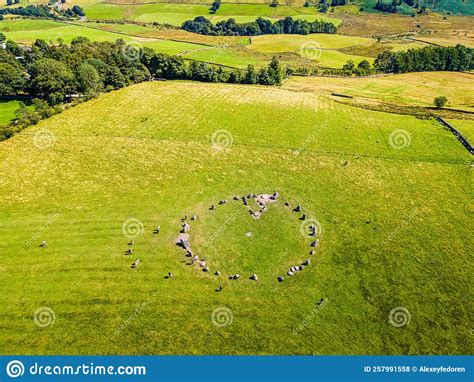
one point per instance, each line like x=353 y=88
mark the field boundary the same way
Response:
x=417 y=111
x=457 y=134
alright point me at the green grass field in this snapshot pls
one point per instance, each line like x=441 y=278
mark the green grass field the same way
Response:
x=321 y=48
x=465 y=127
x=7 y=111
x=231 y=51
x=21 y=31
x=410 y=89
x=104 y=11
x=389 y=191
x=176 y=14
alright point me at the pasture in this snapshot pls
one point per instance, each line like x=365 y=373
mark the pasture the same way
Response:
x=232 y=51
x=410 y=89
x=22 y=32
x=361 y=36
x=465 y=127
x=177 y=13
x=389 y=192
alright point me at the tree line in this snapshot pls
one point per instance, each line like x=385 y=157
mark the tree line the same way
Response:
x=431 y=58
x=260 y=26
x=391 y=6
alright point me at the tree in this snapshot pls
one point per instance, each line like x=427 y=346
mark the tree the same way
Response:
x=79 y=40
x=12 y=80
x=43 y=109
x=9 y=2
x=275 y=72
x=364 y=65
x=3 y=38
x=88 y=80
x=51 y=79
x=13 y=48
x=274 y=3
x=26 y=117
x=251 y=76
x=215 y=6
x=78 y=10
x=349 y=65
x=440 y=101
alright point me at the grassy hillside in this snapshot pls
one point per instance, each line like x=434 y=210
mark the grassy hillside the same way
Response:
x=411 y=89
x=465 y=127
x=231 y=51
x=465 y=7
x=23 y=32
x=177 y=13
x=390 y=193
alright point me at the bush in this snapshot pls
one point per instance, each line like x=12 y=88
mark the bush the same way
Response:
x=364 y=64
x=440 y=101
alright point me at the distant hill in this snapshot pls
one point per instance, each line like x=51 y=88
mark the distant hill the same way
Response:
x=465 y=7
x=453 y=6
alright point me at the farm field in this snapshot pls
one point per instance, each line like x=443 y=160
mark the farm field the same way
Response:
x=21 y=32
x=390 y=194
x=465 y=127
x=464 y=38
x=170 y=34
x=176 y=14
x=356 y=41
x=230 y=51
x=414 y=89
x=392 y=213
x=376 y=24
